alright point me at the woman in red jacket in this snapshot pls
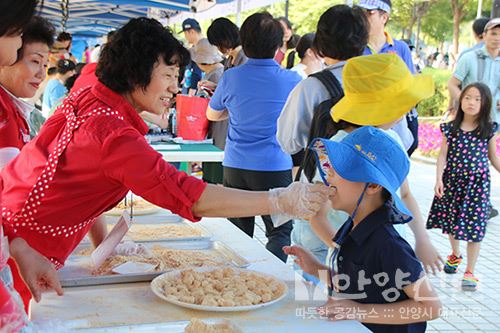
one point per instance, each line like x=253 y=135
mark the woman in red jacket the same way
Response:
x=14 y=16
x=92 y=151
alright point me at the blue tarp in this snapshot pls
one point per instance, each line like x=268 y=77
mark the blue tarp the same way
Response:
x=97 y=17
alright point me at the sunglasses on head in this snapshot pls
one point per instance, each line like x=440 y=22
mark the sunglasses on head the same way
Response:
x=371 y=11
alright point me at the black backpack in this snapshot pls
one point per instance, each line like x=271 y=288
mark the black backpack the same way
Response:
x=332 y=85
x=336 y=92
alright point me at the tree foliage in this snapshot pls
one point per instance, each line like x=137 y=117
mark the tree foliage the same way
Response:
x=403 y=15
x=437 y=24
x=436 y=17
x=304 y=15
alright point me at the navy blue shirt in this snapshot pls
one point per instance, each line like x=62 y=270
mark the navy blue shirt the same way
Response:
x=254 y=95
x=388 y=262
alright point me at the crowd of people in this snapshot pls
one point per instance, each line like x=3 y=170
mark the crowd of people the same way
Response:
x=317 y=131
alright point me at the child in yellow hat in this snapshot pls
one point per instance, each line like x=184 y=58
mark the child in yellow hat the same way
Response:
x=379 y=91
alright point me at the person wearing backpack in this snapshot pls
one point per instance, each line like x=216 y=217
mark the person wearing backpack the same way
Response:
x=342 y=33
x=481 y=65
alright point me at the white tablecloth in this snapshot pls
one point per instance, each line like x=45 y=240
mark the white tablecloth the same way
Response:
x=132 y=304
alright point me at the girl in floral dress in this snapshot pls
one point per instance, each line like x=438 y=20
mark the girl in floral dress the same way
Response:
x=462 y=192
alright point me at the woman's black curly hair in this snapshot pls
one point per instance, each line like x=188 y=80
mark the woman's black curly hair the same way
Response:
x=127 y=61
x=38 y=30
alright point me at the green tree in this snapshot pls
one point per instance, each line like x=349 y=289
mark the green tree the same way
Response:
x=437 y=24
x=304 y=15
x=403 y=16
x=459 y=10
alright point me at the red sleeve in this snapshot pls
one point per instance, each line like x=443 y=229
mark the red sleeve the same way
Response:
x=130 y=160
x=9 y=132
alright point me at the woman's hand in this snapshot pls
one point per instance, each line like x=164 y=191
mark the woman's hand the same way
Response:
x=207 y=85
x=305 y=259
x=130 y=248
x=299 y=200
x=37 y=271
x=439 y=188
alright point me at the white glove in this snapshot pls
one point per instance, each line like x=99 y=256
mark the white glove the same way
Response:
x=130 y=248
x=298 y=200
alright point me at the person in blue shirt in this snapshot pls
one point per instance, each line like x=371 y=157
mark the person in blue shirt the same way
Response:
x=379 y=41
x=478 y=34
x=481 y=65
x=374 y=276
x=252 y=96
x=55 y=88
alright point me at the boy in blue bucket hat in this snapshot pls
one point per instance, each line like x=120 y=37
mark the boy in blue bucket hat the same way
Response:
x=374 y=275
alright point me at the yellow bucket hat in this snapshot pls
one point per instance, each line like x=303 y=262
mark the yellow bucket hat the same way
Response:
x=379 y=89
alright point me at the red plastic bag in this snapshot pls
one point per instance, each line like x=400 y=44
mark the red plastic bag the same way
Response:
x=192 y=122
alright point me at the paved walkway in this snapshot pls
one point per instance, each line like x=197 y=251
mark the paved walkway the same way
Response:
x=464 y=311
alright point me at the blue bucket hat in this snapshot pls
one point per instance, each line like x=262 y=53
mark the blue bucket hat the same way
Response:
x=367 y=155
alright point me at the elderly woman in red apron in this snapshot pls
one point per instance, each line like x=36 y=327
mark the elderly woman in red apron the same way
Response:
x=14 y=17
x=92 y=151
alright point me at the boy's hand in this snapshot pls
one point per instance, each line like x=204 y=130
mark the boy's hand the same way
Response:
x=439 y=188
x=429 y=256
x=37 y=271
x=305 y=259
x=341 y=309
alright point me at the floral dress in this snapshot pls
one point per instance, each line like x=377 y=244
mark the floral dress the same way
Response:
x=463 y=210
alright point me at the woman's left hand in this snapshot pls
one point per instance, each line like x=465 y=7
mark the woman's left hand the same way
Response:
x=37 y=271
x=299 y=200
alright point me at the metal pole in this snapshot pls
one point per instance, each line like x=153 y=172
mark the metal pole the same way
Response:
x=479 y=8
x=238 y=13
x=495 y=9
x=287 y=5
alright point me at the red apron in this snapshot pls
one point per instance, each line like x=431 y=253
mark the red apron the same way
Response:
x=25 y=217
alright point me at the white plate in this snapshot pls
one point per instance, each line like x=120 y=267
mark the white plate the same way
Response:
x=156 y=288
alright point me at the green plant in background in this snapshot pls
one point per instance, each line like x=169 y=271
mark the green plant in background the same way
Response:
x=437 y=104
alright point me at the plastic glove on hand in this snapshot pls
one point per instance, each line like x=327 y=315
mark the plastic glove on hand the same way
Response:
x=131 y=249
x=299 y=200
